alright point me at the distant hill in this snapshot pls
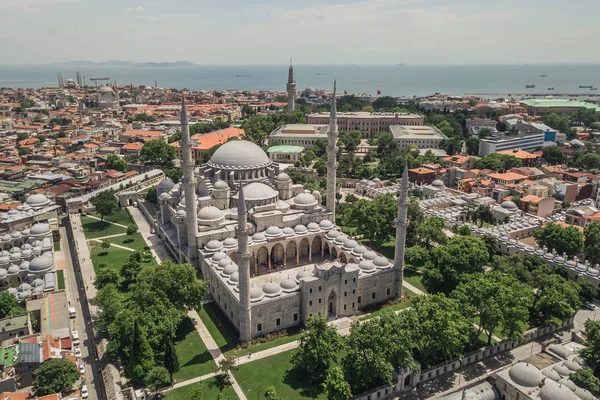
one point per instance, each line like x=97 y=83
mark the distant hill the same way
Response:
x=119 y=63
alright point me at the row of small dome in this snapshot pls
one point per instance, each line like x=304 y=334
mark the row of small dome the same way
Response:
x=37 y=286
x=39 y=229
x=25 y=252
x=39 y=265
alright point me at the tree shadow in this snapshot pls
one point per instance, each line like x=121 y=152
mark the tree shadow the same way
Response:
x=220 y=382
x=306 y=385
x=129 y=240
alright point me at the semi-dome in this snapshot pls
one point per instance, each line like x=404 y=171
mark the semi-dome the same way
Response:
x=271 y=288
x=305 y=199
x=40 y=228
x=41 y=264
x=525 y=374
x=283 y=177
x=220 y=185
x=509 y=205
x=257 y=191
x=554 y=391
x=37 y=200
x=214 y=245
x=165 y=185
x=438 y=184
x=288 y=284
x=237 y=154
x=210 y=213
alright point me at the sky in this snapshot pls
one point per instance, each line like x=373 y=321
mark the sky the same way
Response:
x=314 y=32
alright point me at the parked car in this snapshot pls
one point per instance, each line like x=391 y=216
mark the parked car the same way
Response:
x=81 y=369
x=75 y=335
x=77 y=352
x=84 y=392
x=72 y=312
x=589 y=306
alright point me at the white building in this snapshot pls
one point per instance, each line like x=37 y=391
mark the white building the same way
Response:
x=422 y=137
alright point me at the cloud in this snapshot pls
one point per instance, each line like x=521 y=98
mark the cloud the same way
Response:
x=138 y=9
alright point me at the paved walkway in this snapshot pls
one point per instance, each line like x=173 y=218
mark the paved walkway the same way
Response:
x=112 y=244
x=109 y=236
x=412 y=288
x=108 y=222
x=157 y=248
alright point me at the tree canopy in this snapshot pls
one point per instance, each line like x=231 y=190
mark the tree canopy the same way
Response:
x=498 y=162
x=9 y=305
x=54 y=376
x=115 y=162
x=105 y=203
x=373 y=218
x=553 y=155
x=257 y=128
x=562 y=239
x=158 y=152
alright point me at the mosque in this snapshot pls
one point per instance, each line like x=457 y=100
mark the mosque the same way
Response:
x=270 y=251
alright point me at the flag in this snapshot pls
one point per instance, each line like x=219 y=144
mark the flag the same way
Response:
x=379 y=92
x=345 y=92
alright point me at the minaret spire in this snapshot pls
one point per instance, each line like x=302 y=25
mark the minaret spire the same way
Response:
x=291 y=89
x=243 y=256
x=189 y=186
x=332 y=136
x=401 y=225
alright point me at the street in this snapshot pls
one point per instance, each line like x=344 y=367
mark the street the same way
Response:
x=82 y=322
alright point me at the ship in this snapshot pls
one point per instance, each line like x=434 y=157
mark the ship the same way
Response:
x=243 y=76
x=594 y=88
x=530 y=86
x=550 y=88
x=543 y=75
x=321 y=73
x=585 y=86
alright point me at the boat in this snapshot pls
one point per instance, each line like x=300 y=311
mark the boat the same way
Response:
x=321 y=73
x=594 y=88
x=585 y=87
x=550 y=88
x=243 y=76
x=544 y=75
x=530 y=86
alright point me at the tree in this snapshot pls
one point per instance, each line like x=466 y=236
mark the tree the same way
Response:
x=350 y=140
x=105 y=277
x=472 y=144
x=562 y=239
x=227 y=366
x=587 y=290
x=9 y=305
x=462 y=255
x=131 y=229
x=271 y=393
x=589 y=161
x=197 y=392
x=553 y=155
x=483 y=133
x=498 y=300
x=175 y=174
x=335 y=386
x=110 y=303
x=141 y=356
x=105 y=203
x=491 y=244
x=257 y=128
x=158 y=377
x=176 y=137
x=130 y=270
x=319 y=344
x=498 y=162
x=416 y=257
x=385 y=103
x=430 y=232
x=171 y=360
x=591 y=243
x=373 y=218
x=158 y=152
x=105 y=244
x=54 y=376
x=437 y=327
x=556 y=300
x=115 y=162
x=591 y=352
x=152 y=196
x=585 y=379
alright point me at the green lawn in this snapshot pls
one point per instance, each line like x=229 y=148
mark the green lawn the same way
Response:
x=113 y=257
x=256 y=376
x=391 y=308
x=414 y=278
x=226 y=335
x=210 y=389
x=194 y=358
x=57 y=245
x=135 y=241
x=387 y=248
x=60 y=275
x=94 y=229
x=120 y=217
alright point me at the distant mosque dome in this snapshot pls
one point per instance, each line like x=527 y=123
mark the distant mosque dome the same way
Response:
x=239 y=154
x=509 y=205
x=283 y=177
x=37 y=200
x=438 y=184
x=220 y=185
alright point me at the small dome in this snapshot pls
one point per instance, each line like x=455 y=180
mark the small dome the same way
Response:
x=271 y=288
x=230 y=269
x=224 y=262
x=300 y=229
x=3 y=273
x=366 y=265
x=369 y=255
x=305 y=199
x=438 y=184
x=218 y=256
x=316 y=193
x=39 y=228
x=332 y=234
x=349 y=244
x=37 y=200
x=572 y=365
x=364 y=182
x=255 y=293
x=273 y=231
x=550 y=373
x=37 y=290
x=509 y=205
x=326 y=224
x=358 y=250
x=181 y=213
x=210 y=213
x=288 y=284
x=259 y=237
x=568 y=383
x=37 y=282
x=230 y=242
x=220 y=185
x=13 y=269
x=164 y=196
x=15 y=235
x=24 y=266
x=13 y=291
x=381 y=262
x=525 y=374
x=313 y=227
x=235 y=277
x=24 y=287
x=561 y=369
x=303 y=274
x=341 y=239
x=287 y=231
x=6 y=238
x=283 y=177
x=165 y=185
x=377 y=180
x=213 y=245
x=554 y=391
x=584 y=394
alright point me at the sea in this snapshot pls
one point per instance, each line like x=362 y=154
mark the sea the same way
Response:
x=395 y=80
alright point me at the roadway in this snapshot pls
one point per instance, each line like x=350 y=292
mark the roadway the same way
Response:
x=76 y=295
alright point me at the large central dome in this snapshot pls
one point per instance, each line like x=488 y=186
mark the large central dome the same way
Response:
x=239 y=154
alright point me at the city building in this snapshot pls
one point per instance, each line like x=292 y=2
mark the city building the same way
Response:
x=271 y=253
x=527 y=159
x=491 y=145
x=538 y=206
x=304 y=135
x=421 y=137
x=285 y=153
x=561 y=106
x=475 y=124
x=15 y=326
x=369 y=124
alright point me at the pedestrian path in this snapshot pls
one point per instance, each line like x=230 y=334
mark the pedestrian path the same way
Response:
x=108 y=237
x=112 y=244
x=108 y=222
x=412 y=288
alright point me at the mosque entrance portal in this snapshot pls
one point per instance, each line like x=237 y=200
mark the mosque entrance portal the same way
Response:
x=332 y=306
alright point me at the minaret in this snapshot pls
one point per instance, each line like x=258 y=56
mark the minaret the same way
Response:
x=243 y=256
x=189 y=186
x=332 y=165
x=291 y=89
x=401 y=225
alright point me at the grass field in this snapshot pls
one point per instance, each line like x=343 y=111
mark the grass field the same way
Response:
x=194 y=358
x=57 y=245
x=94 y=229
x=60 y=275
x=391 y=308
x=210 y=390
x=414 y=278
x=135 y=241
x=120 y=216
